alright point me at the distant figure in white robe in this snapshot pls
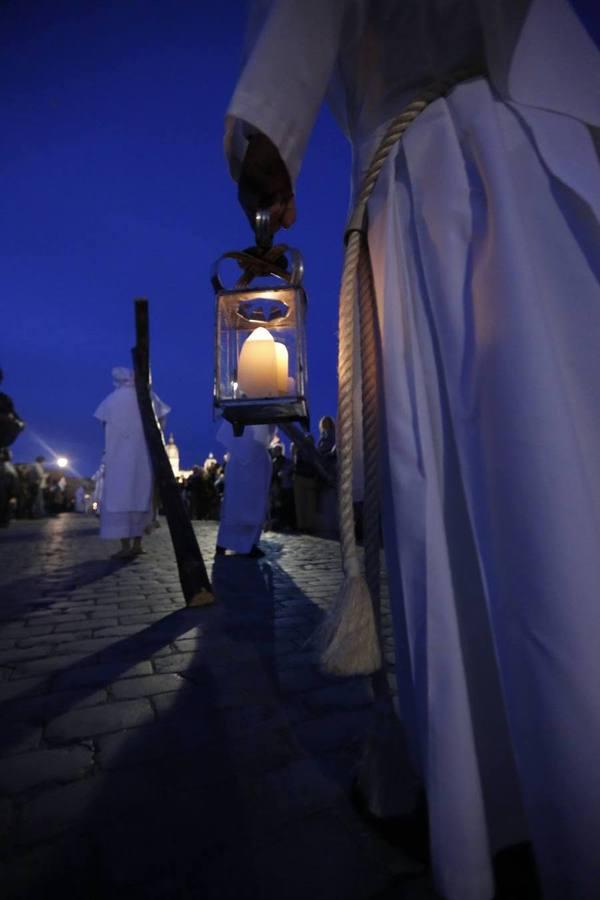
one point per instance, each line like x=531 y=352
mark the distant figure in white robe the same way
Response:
x=126 y=504
x=484 y=237
x=38 y=481
x=247 y=482
x=80 y=499
x=98 y=479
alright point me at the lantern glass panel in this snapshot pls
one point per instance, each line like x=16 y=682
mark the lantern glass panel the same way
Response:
x=273 y=364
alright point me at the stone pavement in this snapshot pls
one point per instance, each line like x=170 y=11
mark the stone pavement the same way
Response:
x=149 y=751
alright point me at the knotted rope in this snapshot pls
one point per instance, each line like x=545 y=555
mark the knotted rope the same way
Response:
x=351 y=632
x=258 y=261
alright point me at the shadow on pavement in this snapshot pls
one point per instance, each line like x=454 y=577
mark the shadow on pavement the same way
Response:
x=58 y=692
x=228 y=791
x=64 y=578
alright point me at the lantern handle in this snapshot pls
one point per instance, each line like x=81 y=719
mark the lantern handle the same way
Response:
x=262 y=229
x=261 y=264
x=297 y=269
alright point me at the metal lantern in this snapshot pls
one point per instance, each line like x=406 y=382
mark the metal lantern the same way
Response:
x=260 y=344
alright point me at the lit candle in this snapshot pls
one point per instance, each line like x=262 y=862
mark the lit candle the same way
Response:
x=257 y=365
x=281 y=356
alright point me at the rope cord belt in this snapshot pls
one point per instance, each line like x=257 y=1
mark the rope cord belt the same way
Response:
x=351 y=634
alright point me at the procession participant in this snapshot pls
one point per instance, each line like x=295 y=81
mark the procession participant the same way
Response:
x=246 y=497
x=38 y=480
x=305 y=488
x=11 y=424
x=126 y=506
x=9 y=486
x=98 y=479
x=327 y=494
x=79 y=504
x=483 y=238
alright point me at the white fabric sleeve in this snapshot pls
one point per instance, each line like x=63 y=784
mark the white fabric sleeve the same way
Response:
x=160 y=409
x=103 y=411
x=285 y=79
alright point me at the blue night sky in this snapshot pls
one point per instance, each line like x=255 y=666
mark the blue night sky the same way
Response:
x=113 y=186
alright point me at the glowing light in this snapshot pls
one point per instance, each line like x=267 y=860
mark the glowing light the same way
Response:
x=62 y=462
x=52 y=454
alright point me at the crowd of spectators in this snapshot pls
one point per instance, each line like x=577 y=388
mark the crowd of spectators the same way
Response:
x=30 y=491
x=203 y=489
x=27 y=490
x=302 y=494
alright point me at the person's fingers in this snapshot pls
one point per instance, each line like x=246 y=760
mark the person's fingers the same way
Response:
x=283 y=214
x=289 y=214
x=277 y=212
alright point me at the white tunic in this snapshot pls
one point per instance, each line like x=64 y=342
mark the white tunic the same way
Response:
x=126 y=506
x=80 y=499
x=484 y=240
x=247 y=483
x=98 y=479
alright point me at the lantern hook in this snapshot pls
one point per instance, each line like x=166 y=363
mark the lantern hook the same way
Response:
x=264 y=264
x=262 y=229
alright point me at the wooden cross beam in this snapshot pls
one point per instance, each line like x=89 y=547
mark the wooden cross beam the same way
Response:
x=193 y=576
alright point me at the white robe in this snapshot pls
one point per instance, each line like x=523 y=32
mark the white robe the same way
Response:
x=126 y=507
x=483 y=232
x=247 y=482
x=80 y=500
x=98 y=479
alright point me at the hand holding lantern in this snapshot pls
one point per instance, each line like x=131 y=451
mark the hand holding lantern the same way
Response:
x=265 y=185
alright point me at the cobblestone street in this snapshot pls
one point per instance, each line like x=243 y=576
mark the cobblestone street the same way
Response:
x=150 y=751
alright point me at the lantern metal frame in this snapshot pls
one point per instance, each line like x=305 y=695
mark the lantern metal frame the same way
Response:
x=242 y=411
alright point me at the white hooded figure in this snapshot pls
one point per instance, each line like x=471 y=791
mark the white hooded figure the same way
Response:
x=126 y=505
x=247 y=482
x=98 y=479
x=80 y=499
x=483 y=231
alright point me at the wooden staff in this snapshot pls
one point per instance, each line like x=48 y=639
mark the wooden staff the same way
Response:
x=194 y=579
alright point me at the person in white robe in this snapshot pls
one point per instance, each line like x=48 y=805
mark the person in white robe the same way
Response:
x=79 y=498
x=247 y=483
x=98 y=479
x=38 y=480
x=484 y=239
x=127 y=484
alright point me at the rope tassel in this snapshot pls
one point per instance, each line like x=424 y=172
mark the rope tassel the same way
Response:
x=350 y=635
